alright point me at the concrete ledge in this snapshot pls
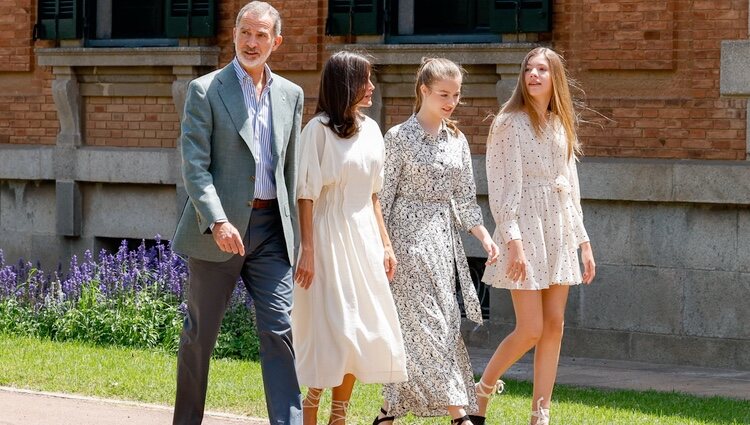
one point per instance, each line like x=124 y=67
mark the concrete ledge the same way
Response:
x=466 y=54
x=128 y=165
x=144 y=56
x=655 y=180
x=735 y=62
x=26 y=162
x=632 y=346
x=108 y=165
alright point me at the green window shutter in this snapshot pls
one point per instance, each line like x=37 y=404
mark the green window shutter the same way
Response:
x=58 y=19
x=509 y=16
x=354 y=17
x=190 y=18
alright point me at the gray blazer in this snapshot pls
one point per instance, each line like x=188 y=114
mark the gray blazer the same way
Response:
x=218 y=165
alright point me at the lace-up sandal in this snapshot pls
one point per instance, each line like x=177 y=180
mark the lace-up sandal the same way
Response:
x=541 y=414
x=338 y=418
x=385 y=417
x=486 y=391
x=312 y=400
x=461 y=420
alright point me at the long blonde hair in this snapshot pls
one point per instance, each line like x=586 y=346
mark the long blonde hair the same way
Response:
x=561 y=103
x=430 y=71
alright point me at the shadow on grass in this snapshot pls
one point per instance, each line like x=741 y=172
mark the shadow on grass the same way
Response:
x=655 y=403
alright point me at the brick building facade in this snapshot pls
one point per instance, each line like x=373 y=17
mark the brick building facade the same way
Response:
x=88 y=134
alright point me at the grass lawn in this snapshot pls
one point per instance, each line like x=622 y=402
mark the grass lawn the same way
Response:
x=236 y=387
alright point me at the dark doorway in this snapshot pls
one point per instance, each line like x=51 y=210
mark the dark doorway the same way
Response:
x=137 y=19
x=451 y=16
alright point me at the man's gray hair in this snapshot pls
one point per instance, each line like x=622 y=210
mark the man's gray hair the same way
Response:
x=260 y=9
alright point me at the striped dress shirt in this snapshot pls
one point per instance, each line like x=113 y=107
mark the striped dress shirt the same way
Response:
x=259 y=113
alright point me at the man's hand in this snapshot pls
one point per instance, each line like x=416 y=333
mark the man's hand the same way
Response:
x=228 y=238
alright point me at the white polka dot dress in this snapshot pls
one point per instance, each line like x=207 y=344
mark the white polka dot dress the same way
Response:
x=534 y=196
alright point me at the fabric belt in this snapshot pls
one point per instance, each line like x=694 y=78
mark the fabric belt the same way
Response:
x=264 y=203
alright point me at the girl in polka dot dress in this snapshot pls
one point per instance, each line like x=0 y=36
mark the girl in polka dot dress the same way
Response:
x=535 y=201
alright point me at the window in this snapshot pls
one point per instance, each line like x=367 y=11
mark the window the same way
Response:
x=438 y=20
x=125 y=22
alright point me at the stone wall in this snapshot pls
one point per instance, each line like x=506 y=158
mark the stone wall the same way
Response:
x=672 y=244
x=88 y=137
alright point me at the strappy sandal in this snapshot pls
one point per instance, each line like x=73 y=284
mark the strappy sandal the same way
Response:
x=486 y=391
x=541 y=414
x=385 y=417
x=338 y=417
x=462 y=419
x=312 y=400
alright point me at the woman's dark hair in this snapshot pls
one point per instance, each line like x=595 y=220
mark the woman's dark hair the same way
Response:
x=342 y=86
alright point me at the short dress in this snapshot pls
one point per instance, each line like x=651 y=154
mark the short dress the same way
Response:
x=346 y=321
x=534 y=196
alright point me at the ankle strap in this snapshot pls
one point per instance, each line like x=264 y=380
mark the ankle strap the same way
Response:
x=385 y=417
x=541 y=413
x=485 y=391
x=335 y=416
x=312 y=399
x=462 y=419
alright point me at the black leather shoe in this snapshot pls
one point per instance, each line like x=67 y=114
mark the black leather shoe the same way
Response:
x=385 y=418
x=477 y=420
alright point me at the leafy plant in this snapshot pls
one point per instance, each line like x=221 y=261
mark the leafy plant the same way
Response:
x=132 y=298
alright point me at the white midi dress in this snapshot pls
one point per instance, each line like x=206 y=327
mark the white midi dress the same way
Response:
x=346 y=321
x=534 y=196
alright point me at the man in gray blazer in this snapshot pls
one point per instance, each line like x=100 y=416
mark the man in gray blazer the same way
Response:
x=239 y=141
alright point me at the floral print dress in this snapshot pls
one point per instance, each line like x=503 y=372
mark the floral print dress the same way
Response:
x=534 y=196
x=429 y=195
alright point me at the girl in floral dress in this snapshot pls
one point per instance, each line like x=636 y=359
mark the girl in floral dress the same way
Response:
x=428 y=198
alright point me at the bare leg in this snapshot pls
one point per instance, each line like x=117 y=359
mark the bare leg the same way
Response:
x=456 y=412
x=310 y=406
x=340 y=400
x=547 y=352
x=528 y=330
x=383 y=415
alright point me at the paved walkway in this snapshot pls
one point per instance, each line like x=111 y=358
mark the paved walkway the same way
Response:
x=619 y=374
x=21 y=407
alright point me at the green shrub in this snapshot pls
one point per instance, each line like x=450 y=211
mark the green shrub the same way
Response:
x=129 y=299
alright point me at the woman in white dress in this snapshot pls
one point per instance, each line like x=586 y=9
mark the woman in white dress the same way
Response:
x=429 y=198
x=344 y=320
x=536 y=203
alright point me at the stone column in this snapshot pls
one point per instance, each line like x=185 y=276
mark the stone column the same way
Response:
x=734 y=78
x=507 y=82
x=69 y=103
x=183 y=75
x=377 y=110
x=67 y=96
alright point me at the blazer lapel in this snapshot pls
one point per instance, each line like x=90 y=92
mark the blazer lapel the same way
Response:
x=278 y=112
x=230 y=92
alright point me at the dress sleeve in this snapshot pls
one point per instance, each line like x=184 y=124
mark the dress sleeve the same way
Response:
x=310 y=177
x=504 y=175
x=580 y=231
x=392 y=167
x=465 y=190
x=379 y=171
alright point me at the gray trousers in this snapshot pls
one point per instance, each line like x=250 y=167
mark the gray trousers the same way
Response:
x=267 y=274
